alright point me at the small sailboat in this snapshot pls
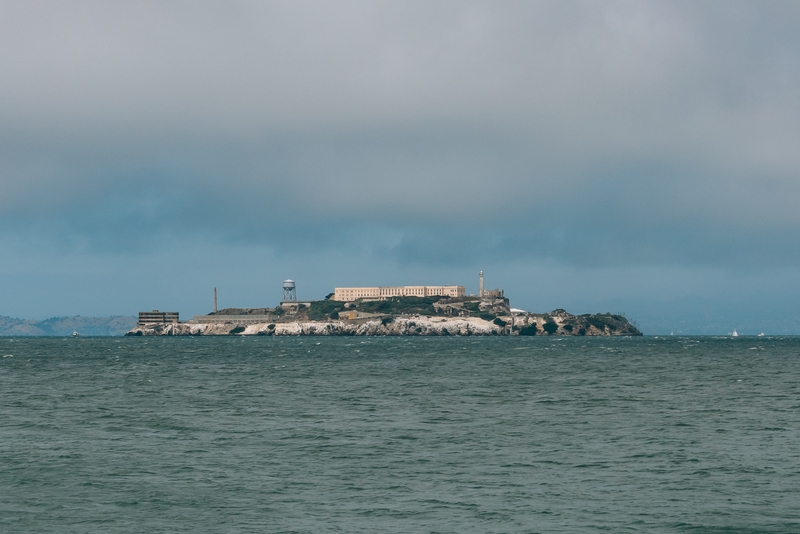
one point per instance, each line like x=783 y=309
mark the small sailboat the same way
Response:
x=735 y=333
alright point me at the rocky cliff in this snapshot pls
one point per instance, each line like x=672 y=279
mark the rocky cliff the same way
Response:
x=406 y=317
x=386 y=326
x=561 y=323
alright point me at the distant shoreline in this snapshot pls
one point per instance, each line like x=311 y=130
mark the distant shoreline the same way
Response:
x=116 y=325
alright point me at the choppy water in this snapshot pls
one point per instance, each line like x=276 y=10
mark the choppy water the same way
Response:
x=399 y=435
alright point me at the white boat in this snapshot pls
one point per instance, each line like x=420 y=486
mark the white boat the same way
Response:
x=761 y=334
x=75 y=334
x=735 y=333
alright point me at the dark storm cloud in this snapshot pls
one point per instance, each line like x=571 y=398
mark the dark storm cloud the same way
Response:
x=591 y=133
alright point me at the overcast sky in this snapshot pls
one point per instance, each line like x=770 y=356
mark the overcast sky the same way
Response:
x=637 y=157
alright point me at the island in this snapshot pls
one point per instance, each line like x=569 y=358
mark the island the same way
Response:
x=391 y=316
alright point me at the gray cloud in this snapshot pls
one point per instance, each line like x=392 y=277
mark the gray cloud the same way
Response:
x=591 y=134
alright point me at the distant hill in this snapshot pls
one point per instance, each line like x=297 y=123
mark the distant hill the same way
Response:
x=65 y=326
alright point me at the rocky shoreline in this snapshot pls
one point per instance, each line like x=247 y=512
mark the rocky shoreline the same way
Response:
x=401 y=326
x=556 y=323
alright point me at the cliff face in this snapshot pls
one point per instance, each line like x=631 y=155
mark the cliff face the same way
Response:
x=399 y=316
x=387 y=326
x=561 y=323
x=556 y=323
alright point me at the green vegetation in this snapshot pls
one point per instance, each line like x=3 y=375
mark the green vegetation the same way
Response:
x=529 y=330
x=581 y=325
x=603 y=320
x=315 y=315
x=472 y=306
x=401 y=306
x=550 y=326
x=322 y=310
x=327 y=306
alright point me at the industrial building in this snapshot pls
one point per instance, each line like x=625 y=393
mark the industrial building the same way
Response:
x=156 y=316
x=347 y=294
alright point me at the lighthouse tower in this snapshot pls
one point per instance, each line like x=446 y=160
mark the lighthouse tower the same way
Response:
x=480 y=285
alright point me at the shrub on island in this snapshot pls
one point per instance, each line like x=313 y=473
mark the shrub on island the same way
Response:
x=529 y=330
x=550 y=326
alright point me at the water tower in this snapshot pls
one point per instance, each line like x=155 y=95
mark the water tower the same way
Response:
x=289 y=293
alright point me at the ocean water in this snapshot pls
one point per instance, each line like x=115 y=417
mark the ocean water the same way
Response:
x=106 y=435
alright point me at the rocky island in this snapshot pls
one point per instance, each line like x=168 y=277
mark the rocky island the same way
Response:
x=395 y=316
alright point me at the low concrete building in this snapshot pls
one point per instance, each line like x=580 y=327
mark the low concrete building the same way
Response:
x=159 y=317
x=347 y=294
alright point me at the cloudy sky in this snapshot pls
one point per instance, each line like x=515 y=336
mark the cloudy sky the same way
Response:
x=637 y=157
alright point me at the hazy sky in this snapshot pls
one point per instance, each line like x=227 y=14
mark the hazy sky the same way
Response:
x=637 y=157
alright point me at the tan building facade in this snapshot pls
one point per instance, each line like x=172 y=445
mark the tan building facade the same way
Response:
x=347 y=294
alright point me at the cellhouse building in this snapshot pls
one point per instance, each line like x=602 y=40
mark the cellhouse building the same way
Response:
x=346 y=294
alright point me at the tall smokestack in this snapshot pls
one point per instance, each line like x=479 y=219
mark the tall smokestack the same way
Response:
x=215 y=300
x=480 y=285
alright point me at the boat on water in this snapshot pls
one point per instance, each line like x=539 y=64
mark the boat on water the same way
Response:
x=75 y=334
x=735 y=333
x=761 y=334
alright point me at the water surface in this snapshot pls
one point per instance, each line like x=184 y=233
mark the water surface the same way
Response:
x=399 y=435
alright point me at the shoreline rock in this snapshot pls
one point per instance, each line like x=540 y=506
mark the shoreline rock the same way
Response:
x=556 y=323
x=397 y=326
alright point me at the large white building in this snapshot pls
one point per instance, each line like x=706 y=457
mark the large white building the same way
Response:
x=346 y=294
